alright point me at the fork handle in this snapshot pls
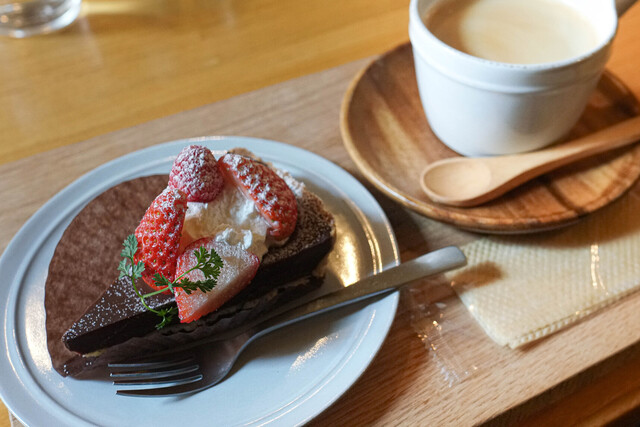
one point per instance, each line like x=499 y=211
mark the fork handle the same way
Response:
x=383 y=283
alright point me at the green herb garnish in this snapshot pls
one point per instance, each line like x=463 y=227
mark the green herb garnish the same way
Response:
x=209 y=262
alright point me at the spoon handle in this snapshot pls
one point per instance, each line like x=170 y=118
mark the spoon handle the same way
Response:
x=539 y=162
x=462 y=181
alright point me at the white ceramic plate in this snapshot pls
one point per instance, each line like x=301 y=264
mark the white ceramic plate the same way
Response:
x=286 y=378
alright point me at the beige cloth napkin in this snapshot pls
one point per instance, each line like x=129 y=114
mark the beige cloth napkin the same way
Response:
x=522 y=288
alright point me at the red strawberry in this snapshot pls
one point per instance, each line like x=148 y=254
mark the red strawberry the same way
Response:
x=271 y=194
x=196 y=173
x=159 y=234
x=238 y=270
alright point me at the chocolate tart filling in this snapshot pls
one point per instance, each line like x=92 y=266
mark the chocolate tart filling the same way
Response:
x=93 y=318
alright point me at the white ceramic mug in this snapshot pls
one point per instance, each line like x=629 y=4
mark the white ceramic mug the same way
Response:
x=481 y=107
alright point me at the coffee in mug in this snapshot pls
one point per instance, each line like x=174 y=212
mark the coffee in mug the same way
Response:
x=512 y=31
x=531 y=92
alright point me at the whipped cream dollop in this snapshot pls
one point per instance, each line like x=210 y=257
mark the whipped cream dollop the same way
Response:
x=234 y=218
x=231 y=217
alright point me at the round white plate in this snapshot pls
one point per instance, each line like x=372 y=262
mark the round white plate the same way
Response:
x=286 y=378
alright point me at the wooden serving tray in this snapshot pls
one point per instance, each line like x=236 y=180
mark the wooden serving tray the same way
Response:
x=388 y=136
x=597 y=360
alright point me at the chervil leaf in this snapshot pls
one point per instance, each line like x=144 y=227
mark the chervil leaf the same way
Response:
x=209 y=262
x=130 y=246
x=161 y=281
x=202 y=285
x=138 y=269
x=123 y=268
x=201 y=254
x=167 y=314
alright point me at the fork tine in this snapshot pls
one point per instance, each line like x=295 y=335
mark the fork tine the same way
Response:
x=143 y=375
x=151 y=365
x=173 y=381
x=164 y=391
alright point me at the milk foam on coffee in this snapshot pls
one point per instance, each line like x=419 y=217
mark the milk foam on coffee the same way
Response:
x=512 y=31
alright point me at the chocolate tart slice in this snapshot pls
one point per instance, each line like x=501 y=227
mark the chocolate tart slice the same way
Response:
x=116 y=326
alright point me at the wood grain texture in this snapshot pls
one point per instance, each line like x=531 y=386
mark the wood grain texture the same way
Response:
x=385 y=131
x=125 y=62
x=100 y=66
x=405 y=383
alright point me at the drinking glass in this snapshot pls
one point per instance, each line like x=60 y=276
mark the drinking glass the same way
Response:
x=23 y=18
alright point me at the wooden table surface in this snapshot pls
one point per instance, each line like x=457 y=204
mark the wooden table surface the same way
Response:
x=124 y=63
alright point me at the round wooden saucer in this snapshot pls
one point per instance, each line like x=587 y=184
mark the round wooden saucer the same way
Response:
x=387 y=135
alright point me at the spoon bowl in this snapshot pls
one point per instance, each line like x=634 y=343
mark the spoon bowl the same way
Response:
x=471 y=181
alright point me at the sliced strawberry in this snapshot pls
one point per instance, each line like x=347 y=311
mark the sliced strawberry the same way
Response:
x=195 y=172
x=159 y=234
x=271 y=194
x=239 y=269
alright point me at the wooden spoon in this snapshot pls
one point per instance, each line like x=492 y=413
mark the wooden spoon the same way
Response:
x=470 y=181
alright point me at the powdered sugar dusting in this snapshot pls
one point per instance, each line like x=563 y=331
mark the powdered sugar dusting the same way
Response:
x=296 y=186
x=239 y=268
x=159 y=233
x=271 y=194
x=195 y=171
